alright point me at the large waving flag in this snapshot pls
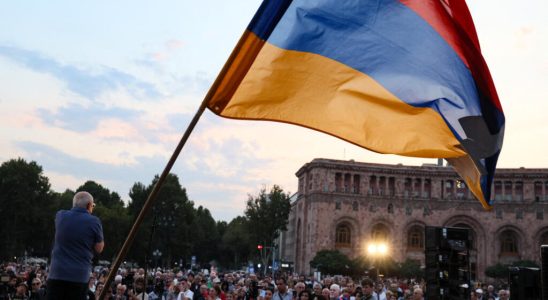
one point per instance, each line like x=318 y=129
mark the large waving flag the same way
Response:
x=404 y=77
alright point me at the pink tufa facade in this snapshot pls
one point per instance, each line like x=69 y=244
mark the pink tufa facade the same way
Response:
x=344 y=204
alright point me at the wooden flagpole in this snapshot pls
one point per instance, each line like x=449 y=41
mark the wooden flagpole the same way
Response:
x=152 y=197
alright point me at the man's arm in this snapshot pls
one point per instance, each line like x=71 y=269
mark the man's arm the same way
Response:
x=99 y=247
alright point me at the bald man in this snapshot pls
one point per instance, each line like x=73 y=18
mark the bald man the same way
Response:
x=78 y=236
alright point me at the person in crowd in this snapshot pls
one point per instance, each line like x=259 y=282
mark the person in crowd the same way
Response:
x=282 y=292
x=491 y=292
x=78 y=236
x=21 y=291
x=186 y=293
x=298 y=288
x=346 y=294
x=334 y=291
x=305 y=294
x=367 y=289
x=317 y=289
x=213 y=294
x=418 y=294
x=37 y=291
x=268 y=293
x=98 y=289
x=120 y=292
x=380 y=292
x=138 y=292
x=504 y=294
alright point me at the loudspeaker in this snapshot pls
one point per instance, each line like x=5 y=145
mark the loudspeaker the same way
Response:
x=447 y=263
x=524 y=283
x=544 y=270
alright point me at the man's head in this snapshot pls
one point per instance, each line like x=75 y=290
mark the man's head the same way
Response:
x=36 y=284
x=334 y=291
x=83 y=200
x=417 y=294
x=120 y=289
x=299 y=287
x=22 y=288
x=379 y=287
x=504 y=294
x=317 y=288
x=281 y=285
x=367 y=287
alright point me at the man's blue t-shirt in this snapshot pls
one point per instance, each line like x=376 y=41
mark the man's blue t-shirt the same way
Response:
x=76 y=233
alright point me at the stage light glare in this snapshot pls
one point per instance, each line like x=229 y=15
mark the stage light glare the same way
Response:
x=372 y=249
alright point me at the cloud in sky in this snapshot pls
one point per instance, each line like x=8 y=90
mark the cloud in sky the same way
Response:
x=85 y=82
x=108 y=100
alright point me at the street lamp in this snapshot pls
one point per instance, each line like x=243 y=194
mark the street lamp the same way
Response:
x=157 y=254
x=378 y=250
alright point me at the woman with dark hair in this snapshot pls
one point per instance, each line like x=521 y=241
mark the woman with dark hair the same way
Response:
x=305 y=295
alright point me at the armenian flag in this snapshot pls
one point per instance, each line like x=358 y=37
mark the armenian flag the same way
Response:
x=404 y=77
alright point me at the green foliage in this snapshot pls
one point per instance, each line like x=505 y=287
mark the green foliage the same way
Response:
x=500 y=271
x=526 y=264
x=497 y=271
x=267 y=215
x=25 y=202
x=177 y=228
x=410 y=269
x=332 y=262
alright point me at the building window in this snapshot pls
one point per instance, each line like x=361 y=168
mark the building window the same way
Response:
x=540 y=215
x=508 y=243
x=427 y=187
x=347 y=182
x=407 y=187
x=449 y=185
x=337 y=205
x=499 y=214
x=519 y=214
x=418 y=187
x=498 y=190
x=415 y=238
x=544 y=239
x=343 y=236
x=355 y=206
x=462 y=190
x=391 y=186
x=518 y=190
x=379 y=232
x=538 y=191
x=508 y=190
x=338 y=182
x=382 y=184
x=373 y=187
x=390 y=208
x=408 y=210
x=356 y=184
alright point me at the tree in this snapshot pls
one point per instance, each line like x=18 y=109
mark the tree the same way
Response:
x=171 y=216
x=267 y=215
x=236 y=242
x=25 y=202
x=331 y=262
x=498 y=271
x=101 y=195
x=410 y=269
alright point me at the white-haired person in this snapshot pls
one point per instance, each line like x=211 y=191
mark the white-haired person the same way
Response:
x=78 y=237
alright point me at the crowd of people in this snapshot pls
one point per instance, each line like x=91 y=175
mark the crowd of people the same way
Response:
x=29 y=282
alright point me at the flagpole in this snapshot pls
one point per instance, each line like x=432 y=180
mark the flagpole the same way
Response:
x=152 y=197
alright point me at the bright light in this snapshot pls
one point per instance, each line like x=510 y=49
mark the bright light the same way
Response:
x=377 y=249
x=383 y=249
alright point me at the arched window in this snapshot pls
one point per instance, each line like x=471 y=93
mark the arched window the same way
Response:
x=379 y=232
x=343 y=236
x=544 y=239
x=415 y=238
x=508 y=243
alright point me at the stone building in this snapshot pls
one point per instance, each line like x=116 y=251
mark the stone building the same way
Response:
x=346 y=204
